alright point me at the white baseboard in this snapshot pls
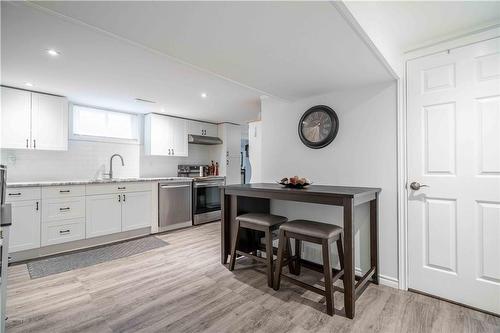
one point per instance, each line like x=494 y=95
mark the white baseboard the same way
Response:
x=388 y=281
x=383 y=280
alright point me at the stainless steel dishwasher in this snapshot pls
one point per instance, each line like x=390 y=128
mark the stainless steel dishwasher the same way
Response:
x=174 y=204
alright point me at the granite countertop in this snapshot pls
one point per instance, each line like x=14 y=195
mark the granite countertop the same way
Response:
x=93 y=181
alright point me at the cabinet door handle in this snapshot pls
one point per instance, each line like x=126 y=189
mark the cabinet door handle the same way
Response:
x=62 y=232
x=27 y=141
x=37 y=205
x=119 y=198
x=64 y=208
x=15 y=194
x=227 y=162
x=34 y=143
x=122 y=188
x=124 y=198
x=64 y=191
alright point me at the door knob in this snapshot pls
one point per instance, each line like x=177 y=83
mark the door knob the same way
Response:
x=416 y=186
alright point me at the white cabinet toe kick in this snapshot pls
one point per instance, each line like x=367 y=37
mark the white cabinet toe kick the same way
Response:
x=55 y=219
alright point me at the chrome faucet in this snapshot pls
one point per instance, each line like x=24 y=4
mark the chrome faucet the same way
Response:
x=110 y=174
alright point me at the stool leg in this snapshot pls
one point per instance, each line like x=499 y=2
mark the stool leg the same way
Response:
x=340 y=251
x=298 y=250
x=236 y=239
x=291 y=267
x=328 y=277
x=279 y=260
x=269 y=257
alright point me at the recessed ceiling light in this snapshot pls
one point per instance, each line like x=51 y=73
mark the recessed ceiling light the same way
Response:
x=204 y=95
x=28 y=84
x=53 y=52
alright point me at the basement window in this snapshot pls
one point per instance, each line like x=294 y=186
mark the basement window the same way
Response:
x=95 y=124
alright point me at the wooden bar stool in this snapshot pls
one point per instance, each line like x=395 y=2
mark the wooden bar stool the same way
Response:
x=314 y=232
x=260 y=222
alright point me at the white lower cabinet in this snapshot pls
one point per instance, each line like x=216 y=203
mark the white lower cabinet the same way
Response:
x=136 y=210
x=103 y=215
x=56 y=232
x=110 y=213
x=25 y=231
x=63 y=219
x=54 y=215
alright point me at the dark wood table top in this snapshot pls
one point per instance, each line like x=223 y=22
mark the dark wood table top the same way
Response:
x=316 y=190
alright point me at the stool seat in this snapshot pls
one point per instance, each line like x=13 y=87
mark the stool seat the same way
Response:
x=312 y=229
x=263 y=220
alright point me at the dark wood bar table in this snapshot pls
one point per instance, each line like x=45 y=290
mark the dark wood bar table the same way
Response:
x=255 y=198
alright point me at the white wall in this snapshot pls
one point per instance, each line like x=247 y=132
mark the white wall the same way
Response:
x=83 y=160
x=254 y=150
x=363 y=154
x=89 y=160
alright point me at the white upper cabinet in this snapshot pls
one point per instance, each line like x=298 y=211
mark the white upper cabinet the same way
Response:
x=16 y=118
x=49 y=122
x=33 y=121
x=201 y=128
x=178 y=128
x=165 y=136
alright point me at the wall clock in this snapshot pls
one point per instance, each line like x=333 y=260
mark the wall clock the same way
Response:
x=318 y=126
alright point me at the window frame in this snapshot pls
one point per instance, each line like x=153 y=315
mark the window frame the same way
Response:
x=83 y=137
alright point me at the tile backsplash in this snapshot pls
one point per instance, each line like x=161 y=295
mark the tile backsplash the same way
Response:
x=89 y=160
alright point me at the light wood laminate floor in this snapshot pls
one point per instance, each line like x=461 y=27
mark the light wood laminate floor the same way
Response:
x=183 y=288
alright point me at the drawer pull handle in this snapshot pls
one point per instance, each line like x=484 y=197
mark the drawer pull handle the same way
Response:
x=64 y=208
x=122 y=188
x=64 y=191
x=19 y=193
x=63 y=232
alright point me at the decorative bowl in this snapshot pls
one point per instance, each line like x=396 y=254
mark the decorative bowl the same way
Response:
x=299 y=186
x=294 y=182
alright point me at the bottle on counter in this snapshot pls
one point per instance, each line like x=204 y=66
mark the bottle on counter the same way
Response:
x=212 y=169
x=216 y=168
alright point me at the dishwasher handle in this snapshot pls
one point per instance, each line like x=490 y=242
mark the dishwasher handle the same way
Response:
x=173 y=186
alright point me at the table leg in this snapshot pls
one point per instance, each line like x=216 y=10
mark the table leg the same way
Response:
x=374 y=238
x=349 y=273
x=225 y=227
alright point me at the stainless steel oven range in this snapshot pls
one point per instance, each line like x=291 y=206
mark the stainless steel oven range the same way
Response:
x=206 y=193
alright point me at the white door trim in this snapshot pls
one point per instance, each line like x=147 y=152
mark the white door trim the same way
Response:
x=472 y=38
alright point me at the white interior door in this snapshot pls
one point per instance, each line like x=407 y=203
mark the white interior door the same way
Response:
x=454 y=148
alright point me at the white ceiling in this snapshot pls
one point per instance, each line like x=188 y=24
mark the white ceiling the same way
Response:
x=97 y=69
x=170 y=52
x=412 y=24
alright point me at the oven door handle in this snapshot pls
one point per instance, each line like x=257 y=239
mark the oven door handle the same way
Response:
x=208 y=185
x=173 y=186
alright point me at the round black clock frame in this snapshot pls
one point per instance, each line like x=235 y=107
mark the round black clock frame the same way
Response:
x=333 y=130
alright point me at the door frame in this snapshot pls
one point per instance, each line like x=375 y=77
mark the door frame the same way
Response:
x=455 y=42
